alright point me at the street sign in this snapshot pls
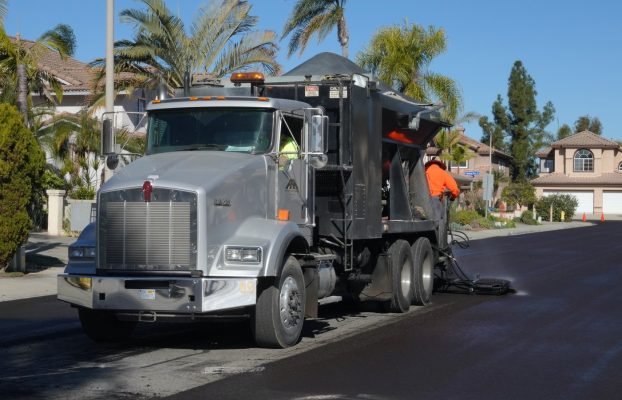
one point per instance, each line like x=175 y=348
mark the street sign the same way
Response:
x=471 y=173
x=489 y=182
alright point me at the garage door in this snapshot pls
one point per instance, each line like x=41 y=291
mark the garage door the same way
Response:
x=586 y=200
x=612 y=202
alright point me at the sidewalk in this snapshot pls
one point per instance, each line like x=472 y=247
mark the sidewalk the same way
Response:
x=46 y=256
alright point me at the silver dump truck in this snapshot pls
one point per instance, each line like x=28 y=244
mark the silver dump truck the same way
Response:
x=260 y=197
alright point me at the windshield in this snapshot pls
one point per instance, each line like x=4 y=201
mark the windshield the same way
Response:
x=247 y=130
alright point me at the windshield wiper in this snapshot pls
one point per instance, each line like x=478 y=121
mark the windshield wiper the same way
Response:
x=206 y=147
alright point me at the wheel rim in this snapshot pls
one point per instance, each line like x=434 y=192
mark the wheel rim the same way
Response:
x=405 y=277
x=290 y=305
x=427 y=277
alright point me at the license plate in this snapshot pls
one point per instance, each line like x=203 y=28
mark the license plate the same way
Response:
x=146 y=294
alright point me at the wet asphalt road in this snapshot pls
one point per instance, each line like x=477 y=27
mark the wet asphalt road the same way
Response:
x=558 y=337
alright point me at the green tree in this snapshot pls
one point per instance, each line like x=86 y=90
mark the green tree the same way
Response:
x=311 y=17
x=495 y=129
x=563 y=132
x=3 y=10
x=446 y=141
x=587 y=123
x=521 y=122
x=20 y=70
x=21 y=167
x=522 y=193
x=461 y=154
x=221 y=40
x=73 y=139
x=401 y=57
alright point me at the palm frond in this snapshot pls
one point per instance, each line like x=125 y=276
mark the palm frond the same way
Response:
x=311 y=17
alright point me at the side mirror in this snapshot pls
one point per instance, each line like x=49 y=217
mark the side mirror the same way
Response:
x=107 y=137
x=318 y=141
x=319 y=134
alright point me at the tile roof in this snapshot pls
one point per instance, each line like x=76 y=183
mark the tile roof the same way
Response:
x=585 y=139
x=544 y=153
x=73 y=74
x=555 y=178
x=478 y=147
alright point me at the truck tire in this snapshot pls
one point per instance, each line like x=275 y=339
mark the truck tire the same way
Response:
x=401 y=276
x=280 y=310
x=423 y=273
x=103 y=326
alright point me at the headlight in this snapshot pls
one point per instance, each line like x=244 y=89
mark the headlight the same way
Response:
x=82 y=252
x=243 y=254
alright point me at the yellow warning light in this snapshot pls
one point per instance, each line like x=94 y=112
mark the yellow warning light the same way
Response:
x=247 y=77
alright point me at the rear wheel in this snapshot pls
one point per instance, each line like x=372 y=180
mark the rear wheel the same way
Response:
x=423 y=271
x=401 y=276
x=103 y=326
x=280 y=310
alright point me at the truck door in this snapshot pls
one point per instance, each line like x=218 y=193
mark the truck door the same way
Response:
x=293 y=184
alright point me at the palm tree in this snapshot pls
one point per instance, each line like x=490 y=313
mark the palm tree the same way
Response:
x=20 y=69
x=461 y=154
x=220 y=41
x=446 y=141
x=401 y=55
x=73 y=139
x=316 y=17
x=3 y=10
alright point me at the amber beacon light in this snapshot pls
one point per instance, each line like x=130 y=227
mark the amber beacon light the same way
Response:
x=247 y=77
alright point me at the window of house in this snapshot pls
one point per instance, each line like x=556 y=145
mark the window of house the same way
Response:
x=620 y=167
x=463 y=164
x=547 y=165
x=583 y=161
x=501 y=166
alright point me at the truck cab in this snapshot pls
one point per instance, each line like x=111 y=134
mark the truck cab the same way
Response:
x=220 y=217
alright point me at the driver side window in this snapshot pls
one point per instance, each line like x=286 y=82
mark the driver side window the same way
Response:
x=291 y=136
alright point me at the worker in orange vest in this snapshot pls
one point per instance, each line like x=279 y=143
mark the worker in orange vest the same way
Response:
x=439 y=180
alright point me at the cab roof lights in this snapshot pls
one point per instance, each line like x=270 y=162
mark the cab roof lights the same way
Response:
x=247 y=77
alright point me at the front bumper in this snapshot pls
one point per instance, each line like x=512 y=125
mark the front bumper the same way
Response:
x=173 y=295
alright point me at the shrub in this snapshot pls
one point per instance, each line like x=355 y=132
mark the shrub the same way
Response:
x=83 y=193
x=527 y=218
x=560 y=202
x=21 y=166
x=465 y=217
x=521 y=193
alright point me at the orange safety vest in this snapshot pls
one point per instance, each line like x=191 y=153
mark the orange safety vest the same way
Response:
x=440 y=180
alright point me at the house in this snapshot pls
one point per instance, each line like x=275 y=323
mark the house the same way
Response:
x=480 y=163
x=587 y=166
x=76 y=78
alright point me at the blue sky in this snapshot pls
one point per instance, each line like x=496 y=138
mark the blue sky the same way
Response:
x=572 y=49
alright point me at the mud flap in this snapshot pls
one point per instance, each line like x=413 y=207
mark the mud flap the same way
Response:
x=311 y=288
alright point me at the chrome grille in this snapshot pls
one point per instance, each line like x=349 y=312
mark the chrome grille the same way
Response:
x=156 y=235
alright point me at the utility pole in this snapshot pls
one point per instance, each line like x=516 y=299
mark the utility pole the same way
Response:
x=109 y=82
x=488 y=180
x=109 y=55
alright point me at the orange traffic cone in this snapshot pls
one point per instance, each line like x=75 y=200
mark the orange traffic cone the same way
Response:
x=602 y=217
x=584 y=218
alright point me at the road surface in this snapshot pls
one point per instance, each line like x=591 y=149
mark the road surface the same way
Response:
x=559 y=336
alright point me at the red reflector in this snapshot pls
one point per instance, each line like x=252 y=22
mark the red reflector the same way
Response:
x=147 y=189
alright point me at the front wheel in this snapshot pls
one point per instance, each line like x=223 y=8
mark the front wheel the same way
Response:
x=103 y=326
x=280 y=310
